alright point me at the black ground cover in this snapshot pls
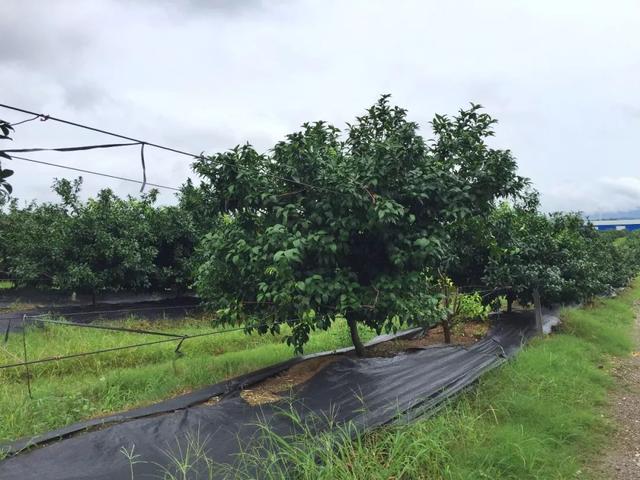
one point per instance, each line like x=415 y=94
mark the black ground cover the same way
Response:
x=368 y=392
x=118 y=308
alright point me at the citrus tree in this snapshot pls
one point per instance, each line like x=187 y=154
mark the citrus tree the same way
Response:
x=33 y=239
x=458 y=306
x=559 y=254
x=327 y=225
x=174 y=238
x=108 y=245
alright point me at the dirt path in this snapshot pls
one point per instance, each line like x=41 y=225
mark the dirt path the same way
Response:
x=622 y=460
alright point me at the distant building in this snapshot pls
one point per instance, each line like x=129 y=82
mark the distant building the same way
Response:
x=623 y=224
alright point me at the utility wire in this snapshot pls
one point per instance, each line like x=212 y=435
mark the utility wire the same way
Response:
x=84 y=354
x=25 y=121
x=137 y=345
x=107 y=327
x=91 y=172
x=44 y=117
x=99 y=130
x=68 y=149
x=192 y=306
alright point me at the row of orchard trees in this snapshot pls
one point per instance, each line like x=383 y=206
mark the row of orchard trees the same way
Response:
x=105 y=244
x=567 y=260
x=370 y=224
x=380 y=220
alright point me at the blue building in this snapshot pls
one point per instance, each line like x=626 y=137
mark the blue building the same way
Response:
x=623 y=224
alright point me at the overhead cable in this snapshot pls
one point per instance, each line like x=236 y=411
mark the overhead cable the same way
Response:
x=91 y=172
x=67 y=149
x=44 y=117
x=98 y=130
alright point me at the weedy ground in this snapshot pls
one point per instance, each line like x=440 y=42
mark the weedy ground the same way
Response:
x=76 y=389
x=540 y=416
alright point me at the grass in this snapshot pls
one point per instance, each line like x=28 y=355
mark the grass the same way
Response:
x=6 y=284
x=539 y=416
x=71 y=390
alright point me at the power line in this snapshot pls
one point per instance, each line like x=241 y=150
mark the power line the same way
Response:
x=179 y=339
x=68 y=149
x=44 y=117
x=26 y=121
x=99 y=130
x=91 y=172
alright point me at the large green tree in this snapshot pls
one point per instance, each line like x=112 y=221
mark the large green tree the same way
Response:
x=352 y=225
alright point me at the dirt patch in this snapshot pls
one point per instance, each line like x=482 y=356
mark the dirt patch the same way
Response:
x=466 y=334
x=272 y=389
x=621 y=461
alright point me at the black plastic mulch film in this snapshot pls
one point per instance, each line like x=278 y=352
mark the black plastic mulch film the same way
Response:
x=368 y=393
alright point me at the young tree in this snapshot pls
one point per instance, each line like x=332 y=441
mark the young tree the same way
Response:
x=458 y=306
x=357 y=230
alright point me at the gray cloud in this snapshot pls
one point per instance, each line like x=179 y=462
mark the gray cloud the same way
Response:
x=36 y=37
x=561 y=77
x=598 y=196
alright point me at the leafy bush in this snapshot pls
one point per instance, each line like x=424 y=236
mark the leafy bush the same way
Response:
x=458 y=307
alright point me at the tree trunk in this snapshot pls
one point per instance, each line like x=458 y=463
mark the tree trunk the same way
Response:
x=538 y=312
x=355 y=336
x=446 y=328
x=510 y=300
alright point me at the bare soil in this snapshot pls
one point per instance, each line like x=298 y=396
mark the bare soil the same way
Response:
x=272 y=389
x=621 y=461
x=269 y=390
x=465 y=334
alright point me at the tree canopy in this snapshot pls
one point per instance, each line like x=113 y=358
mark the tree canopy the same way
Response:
x=104 y=244
x=559 y=254
x=373 y=224
x=352 y=225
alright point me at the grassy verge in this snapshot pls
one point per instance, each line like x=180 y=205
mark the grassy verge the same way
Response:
x=85 y=387
x=537 y=417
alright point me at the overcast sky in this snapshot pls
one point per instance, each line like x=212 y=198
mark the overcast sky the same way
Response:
x=562 y=78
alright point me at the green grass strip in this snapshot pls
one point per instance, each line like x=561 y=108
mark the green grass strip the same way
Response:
x=71 y=390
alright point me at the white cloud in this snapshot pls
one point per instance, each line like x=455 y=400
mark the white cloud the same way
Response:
x=560 y=76
x=609 y=194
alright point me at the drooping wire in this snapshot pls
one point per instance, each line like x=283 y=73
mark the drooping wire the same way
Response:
x=181 y=339
x=170 y=149
x=144 y=168
x=27 y=120
x=91 y=172
x=98 y=130
x=68 y=149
